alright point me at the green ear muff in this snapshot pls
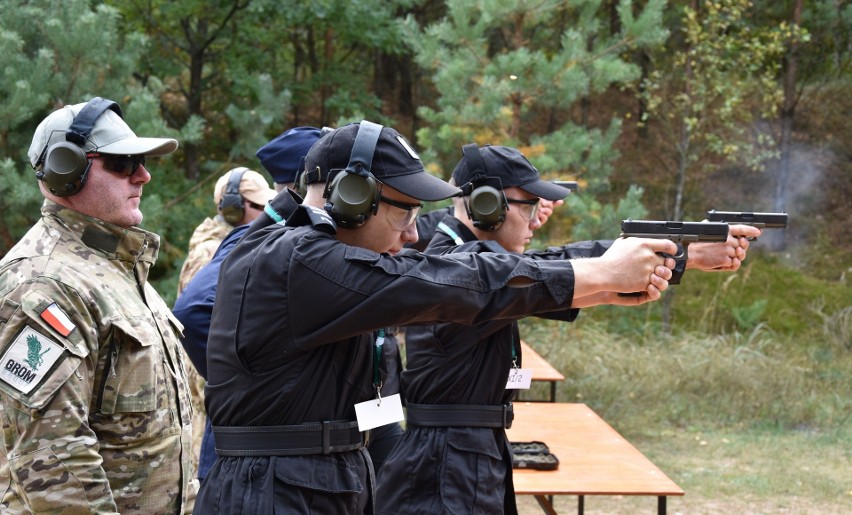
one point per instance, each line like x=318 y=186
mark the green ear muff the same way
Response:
x=353 y=194
x=354 y=199
x=63 y=167
x=65 y=170
x=231 y=204
x=487 y=206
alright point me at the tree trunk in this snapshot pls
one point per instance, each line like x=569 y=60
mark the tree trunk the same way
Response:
x=196 y=50
x=328 y=63
x=682 y=145
x=788 y=110
x=642 y=108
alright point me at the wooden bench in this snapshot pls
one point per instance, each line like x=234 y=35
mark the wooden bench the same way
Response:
x=593 y=458
x=541 y=369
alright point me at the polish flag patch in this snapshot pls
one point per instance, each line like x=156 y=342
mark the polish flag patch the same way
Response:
x=58 y=320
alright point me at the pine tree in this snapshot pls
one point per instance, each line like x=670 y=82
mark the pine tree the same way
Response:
x=516 y=73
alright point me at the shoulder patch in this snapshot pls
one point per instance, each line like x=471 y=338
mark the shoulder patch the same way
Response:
x=27 y=361
x=58 y=320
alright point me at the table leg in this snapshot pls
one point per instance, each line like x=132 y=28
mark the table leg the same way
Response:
x=546 y=504
x=553 y=391
x=581 y=504
x=661 y=505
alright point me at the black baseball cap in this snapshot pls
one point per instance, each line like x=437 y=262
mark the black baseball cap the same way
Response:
x=512 y=168
x=395 y=162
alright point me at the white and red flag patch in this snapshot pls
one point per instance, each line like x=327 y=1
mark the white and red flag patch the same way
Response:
x=57 y=319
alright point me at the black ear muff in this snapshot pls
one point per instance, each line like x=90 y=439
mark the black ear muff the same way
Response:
x=63 y=166
x=302 y=184
x=487 y=205
x=231 y=204
x=353 y=194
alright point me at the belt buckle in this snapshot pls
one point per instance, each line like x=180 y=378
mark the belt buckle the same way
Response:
x=326 y=437
x=508 y=415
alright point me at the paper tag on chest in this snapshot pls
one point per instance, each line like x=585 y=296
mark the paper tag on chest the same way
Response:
x=519 y=379
x=373 y=413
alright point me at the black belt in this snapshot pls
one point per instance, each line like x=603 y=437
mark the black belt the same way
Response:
x=459 y=415
x=295 y=440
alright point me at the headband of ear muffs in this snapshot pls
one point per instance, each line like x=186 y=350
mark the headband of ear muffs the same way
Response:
x=353 y=194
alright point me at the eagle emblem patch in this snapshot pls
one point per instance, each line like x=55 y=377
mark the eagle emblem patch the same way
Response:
x=27 y=361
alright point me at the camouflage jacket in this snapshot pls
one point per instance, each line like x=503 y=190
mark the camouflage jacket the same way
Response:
x=203 y=243
x=94 y=406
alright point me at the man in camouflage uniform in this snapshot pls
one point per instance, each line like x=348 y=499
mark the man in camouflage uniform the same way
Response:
x=94 y=405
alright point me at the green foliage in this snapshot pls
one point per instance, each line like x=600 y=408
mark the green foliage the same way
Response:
x=722 y=303
x=708 y=301
x=603 y=221
x=20 y=201
x=172 y=207
x=57 y=55
x=748 y=317
x=552 y=78
x=501 y=68
x=706 y=97
x=754 y=379
x=251 y=115
x=829 y=30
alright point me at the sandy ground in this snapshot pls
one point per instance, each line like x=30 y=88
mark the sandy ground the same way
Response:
x=629 y=505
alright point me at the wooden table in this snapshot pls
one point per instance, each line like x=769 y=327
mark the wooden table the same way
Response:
x=593 y=458
x=541 y=369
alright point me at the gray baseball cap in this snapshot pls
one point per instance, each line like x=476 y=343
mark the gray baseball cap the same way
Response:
x=110 y=135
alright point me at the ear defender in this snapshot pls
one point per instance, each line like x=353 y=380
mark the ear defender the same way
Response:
x=63 y=167
x=353 y=194
x=231 y=204
x=302 y=179
x=487 y=206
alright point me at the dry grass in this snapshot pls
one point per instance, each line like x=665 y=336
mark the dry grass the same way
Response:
x=754 y=379
x=750 y=422
x=749 y=472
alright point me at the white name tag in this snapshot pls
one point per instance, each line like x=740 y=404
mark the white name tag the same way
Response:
x=373 y=413
x=519 y=379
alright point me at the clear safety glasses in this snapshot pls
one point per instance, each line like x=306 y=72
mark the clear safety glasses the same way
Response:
x=528 y=208
x=404 y=215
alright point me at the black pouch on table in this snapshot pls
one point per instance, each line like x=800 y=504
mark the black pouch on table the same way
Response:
x=533 y=455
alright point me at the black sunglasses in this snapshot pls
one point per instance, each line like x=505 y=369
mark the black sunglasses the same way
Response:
x=125 y=165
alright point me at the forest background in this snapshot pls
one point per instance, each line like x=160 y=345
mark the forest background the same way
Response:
x=660 y=110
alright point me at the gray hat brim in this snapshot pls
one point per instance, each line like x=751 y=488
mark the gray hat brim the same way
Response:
x=141 y=146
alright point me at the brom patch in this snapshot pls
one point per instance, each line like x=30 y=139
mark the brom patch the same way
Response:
x=26 y=362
